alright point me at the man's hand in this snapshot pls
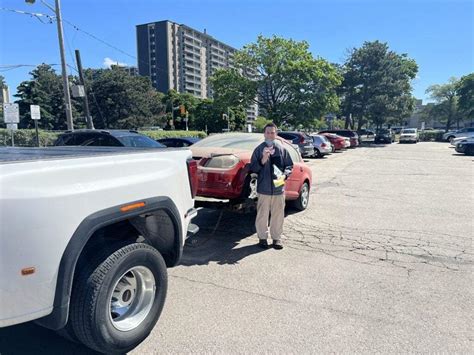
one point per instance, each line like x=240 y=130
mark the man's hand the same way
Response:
x=266 y=154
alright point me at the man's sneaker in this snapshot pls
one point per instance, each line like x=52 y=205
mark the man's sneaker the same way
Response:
x=262 y=243
x=277 y=244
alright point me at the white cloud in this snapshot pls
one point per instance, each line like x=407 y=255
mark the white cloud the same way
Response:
x=109 y=62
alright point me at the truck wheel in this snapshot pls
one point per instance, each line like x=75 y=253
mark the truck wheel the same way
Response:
x=303 y=199
x=118 y=298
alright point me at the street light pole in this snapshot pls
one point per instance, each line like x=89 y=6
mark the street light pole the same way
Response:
x=67 y=96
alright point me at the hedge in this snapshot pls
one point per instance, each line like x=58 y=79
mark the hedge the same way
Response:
x=173 y=134
x=27 y=137
x=431 y=135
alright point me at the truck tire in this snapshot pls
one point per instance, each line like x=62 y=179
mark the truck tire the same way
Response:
x=118 y=297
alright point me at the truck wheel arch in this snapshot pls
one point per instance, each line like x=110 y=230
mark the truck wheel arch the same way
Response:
x=82 y=235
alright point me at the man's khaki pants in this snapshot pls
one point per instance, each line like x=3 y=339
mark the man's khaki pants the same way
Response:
x=267 y=205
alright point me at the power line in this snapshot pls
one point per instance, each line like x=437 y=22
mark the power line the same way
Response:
x=36 y=15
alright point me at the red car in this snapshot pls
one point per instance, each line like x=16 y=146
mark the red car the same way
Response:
x=223 y=169
x=353 y=136
x=338 y=142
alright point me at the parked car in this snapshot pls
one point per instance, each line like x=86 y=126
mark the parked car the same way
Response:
x=397 y=129
x=322 y=145
x=178 y=142
x=408 y=135
x=353 y=136
x=106 y=138
x=305 y=142
x=338 y=141
x=465 y=132
x=466 y=147
x=385 y=135
x=223 y=169
x=366 y=136
x=455 y=141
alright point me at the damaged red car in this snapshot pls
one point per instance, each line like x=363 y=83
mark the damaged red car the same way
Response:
x=223 y=169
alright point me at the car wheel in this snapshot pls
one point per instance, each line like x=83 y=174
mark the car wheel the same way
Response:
x=469 y=150
x=303 y=199
x=317 y=153
x=117 y=297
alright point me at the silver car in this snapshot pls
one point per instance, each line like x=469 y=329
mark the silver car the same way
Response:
x=322 y=146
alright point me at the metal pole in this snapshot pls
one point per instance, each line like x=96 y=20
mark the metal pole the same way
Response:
x=228 y=120
x=37 y=134
x=90 y=124
x=13 y=139
x=67 y=97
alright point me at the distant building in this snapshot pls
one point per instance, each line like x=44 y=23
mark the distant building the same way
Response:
x=417 y=118
x=181 y=58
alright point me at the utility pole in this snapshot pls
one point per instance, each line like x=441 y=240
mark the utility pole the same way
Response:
x=90 y=124
x=67 y=97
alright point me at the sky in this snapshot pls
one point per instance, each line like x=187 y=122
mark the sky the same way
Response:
x=437 y=34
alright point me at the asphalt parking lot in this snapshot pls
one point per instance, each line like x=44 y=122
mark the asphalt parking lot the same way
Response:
x=381 y=261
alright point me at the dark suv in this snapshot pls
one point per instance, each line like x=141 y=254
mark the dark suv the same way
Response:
x=385 y=135
x=302 y=140
x=106 y=138
x=353 y=136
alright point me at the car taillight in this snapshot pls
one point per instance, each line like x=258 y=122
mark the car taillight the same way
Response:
x=224 y=161
x=323 y=145
x=301 y=140
x=192 y=175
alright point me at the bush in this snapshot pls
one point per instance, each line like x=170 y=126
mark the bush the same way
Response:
x=27 y=137
x=173 y=134
x=431 y=135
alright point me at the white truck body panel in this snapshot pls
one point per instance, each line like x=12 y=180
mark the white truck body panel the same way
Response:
x=42 y=203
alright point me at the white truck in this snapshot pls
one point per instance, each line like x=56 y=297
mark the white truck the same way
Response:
x=86 y=234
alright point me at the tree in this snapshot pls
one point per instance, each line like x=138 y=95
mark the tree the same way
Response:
x=208 y=116
x=178 y=108
x=446 y=102
x=119 y=100
x=46 y=90
x=376 y=85
x=465 y=91
x=282 y=76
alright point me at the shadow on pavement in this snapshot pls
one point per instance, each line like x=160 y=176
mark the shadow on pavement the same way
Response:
x=220 y=236
x=30 y=338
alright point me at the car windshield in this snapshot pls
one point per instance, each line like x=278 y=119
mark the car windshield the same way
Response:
x=139 y=141
x=408 y=131
x=241 y=141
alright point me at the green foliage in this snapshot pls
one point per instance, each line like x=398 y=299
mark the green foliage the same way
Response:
x=283 y=77
x=465 y=91
x=208 y=116
x=446 y=108
x=27 y=137
x=431 y=135
x=119 y=100
x=173 y=134
x=260 y=122
x=376 y=85
x=46 y=90
x=174 y=118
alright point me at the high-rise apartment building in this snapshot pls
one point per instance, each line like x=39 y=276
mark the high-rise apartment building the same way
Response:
x=179 y=57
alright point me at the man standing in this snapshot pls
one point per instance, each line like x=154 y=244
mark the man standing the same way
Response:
x=273 y=164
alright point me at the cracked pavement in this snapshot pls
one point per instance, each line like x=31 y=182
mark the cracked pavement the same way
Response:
x=380 y=262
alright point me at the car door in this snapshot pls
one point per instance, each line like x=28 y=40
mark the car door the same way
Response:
x=293 y=183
